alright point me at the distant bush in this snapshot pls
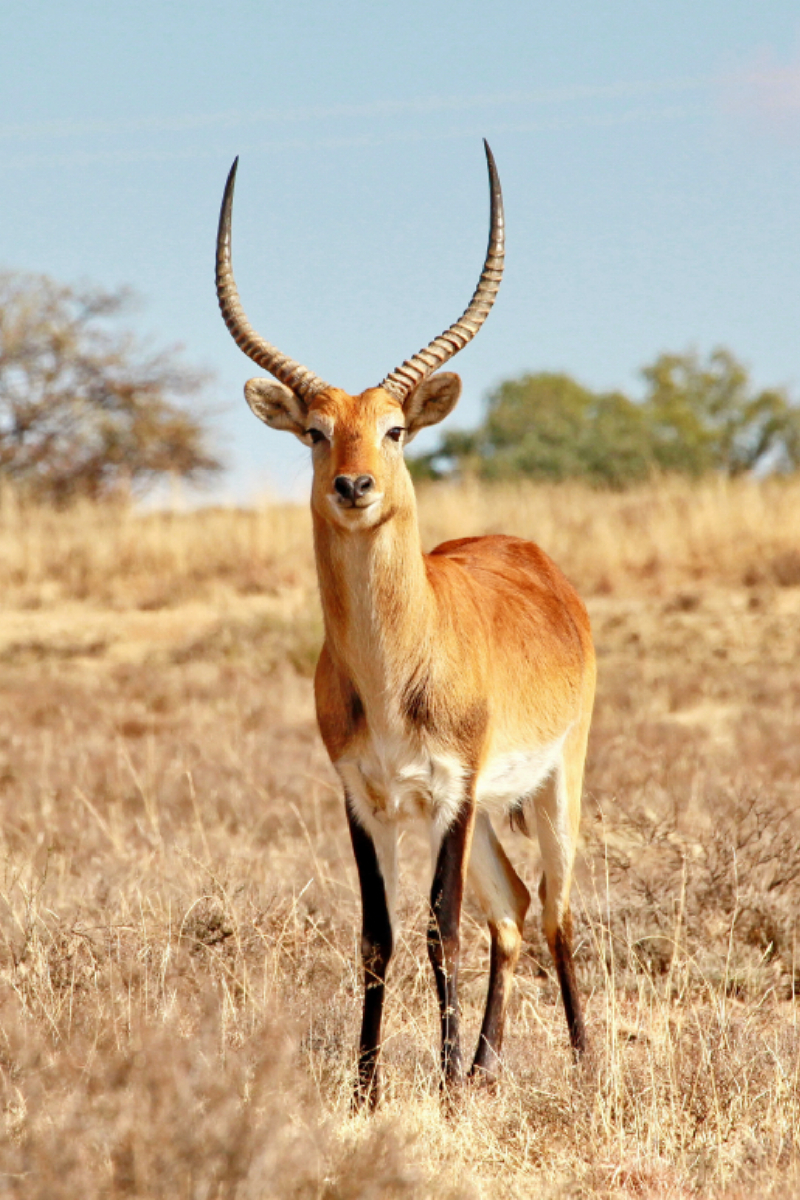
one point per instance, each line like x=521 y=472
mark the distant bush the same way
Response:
x=696 y=417
x=84 y=410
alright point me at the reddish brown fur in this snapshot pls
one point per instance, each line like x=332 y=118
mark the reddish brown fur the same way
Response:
x=466 y=661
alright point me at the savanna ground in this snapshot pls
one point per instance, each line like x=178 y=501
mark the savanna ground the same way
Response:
x=179 y=979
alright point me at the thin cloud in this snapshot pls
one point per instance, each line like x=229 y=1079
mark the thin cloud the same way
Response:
x=630 y=116
x=766 y=93
x=420 y=106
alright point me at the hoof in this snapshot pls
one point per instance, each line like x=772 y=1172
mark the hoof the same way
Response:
x=483 y=1078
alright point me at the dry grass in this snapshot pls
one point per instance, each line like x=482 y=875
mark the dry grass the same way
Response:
x=654 y=538
x=178 y=910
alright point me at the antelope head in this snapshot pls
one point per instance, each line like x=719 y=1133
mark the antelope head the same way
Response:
x=360 y=479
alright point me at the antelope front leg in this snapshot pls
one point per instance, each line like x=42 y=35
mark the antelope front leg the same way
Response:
x=376 y=861
x=444 y=934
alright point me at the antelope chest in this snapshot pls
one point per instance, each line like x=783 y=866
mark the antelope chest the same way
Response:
x=394 y=775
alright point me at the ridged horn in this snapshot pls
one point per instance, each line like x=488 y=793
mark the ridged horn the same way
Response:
x=303 y=382
x=408 y=377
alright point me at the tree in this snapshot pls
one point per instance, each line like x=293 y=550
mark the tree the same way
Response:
x=706 y=416
x=695 y=417
x=84 y=409
x=548 y=426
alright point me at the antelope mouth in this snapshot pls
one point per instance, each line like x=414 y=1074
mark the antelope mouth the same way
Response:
x=362 y=504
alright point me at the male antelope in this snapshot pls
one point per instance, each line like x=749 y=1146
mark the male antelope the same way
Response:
x=456 y=685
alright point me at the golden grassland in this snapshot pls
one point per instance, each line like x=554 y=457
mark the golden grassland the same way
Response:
x=179 y=919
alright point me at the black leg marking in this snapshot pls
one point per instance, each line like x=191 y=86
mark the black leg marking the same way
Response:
x=376 y=951
x=444 y=939
x=565 y=969
x=486 y=1066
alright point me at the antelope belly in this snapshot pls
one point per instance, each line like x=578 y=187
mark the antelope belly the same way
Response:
x=508 y=778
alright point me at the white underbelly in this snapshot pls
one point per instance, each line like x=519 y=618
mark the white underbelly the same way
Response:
x=508 y=778
x=393 y=777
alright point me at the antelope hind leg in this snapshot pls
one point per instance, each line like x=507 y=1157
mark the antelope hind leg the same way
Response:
x=557 y=827
x=504 y=900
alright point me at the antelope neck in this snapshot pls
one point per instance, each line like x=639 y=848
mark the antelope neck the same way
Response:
x=377 y=603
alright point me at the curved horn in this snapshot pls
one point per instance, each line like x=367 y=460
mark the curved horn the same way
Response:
x=405 y=379
x=303 y=382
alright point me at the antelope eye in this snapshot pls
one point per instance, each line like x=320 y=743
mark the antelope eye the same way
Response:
x=316 y=436
x=396 y=433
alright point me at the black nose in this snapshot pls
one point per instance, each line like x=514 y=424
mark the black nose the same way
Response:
x=353 y=489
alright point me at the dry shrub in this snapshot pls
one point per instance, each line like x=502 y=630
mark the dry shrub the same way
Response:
x=723 y=901
x=157 y=1113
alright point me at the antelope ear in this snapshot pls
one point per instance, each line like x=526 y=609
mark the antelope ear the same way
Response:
x=276 y=405
x=431 y=402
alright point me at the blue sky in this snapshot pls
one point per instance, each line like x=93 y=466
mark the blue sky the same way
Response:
x=649 y=155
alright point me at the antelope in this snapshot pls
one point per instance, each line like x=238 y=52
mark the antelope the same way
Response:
x=455 y=685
